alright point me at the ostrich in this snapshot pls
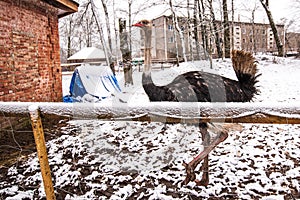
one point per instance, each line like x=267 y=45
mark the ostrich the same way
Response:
x=198 y=86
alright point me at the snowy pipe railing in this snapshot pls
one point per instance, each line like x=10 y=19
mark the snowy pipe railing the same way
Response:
x=168 y=112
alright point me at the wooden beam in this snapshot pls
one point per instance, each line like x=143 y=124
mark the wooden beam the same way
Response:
x=168 y=112
x=39 y=138
x=65 y=7
x=71 y=5
x=256 y=118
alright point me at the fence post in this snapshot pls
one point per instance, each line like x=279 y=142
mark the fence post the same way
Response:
x=39 y=138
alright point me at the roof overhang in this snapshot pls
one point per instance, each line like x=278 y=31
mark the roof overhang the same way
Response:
x=65 y=7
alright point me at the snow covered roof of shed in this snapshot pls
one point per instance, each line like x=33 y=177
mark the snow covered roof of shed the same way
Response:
x=88 y=53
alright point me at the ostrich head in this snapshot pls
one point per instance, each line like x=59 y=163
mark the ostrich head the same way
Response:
x=146 y=26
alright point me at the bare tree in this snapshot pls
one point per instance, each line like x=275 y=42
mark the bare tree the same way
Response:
x=215 y=30
x=175 y=41
x=265 y=4
x=195 y=30
x=87 y=24
x=126 y=53
x=179 y=30
x=69 y=28
x=130 y=22
x=226 y=30
x=100 y=29
x=109 y=50
x=77 y=31
x=191 y=54
x=201 y=11
x=107 y=23
x=232 y=24
x=116 y=31
x=253 y=36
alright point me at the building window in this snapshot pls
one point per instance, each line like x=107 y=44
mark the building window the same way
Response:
x=171 y=39
x=170 y=27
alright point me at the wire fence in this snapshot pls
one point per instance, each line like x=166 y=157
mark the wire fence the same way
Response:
x=190 y=113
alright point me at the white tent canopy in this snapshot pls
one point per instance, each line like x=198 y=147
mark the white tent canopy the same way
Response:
x=91 y=83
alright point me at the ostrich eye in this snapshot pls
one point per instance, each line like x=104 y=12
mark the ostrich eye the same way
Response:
x=144 y=22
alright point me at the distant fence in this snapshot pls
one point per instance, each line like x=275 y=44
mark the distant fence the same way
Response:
x=167 y=112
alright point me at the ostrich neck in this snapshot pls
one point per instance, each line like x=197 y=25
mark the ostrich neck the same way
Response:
x=147 y=51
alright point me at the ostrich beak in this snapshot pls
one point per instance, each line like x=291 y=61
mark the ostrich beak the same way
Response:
x=139 y=24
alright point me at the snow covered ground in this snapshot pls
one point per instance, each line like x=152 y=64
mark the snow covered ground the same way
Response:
x=138 y=160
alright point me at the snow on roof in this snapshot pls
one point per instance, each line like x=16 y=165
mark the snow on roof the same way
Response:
x=88 y=53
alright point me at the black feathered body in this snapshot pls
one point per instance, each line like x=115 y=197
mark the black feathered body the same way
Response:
x=199 y=86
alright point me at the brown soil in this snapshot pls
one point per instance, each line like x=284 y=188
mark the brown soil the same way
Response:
x=17 y=140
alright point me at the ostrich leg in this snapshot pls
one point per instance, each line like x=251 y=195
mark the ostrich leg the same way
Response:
x=206 y=139
x=190 y=167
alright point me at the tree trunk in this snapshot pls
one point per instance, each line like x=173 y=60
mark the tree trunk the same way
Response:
x=100 y=30
x=175 y=41
x=69 y=53
x=203 y=29
x=110 y=59
x=215 y=29
x=130 y=22
x=195 y=22
x=107 y=24
x=279 y=44
x=126 y=53
x=232 y=24
x=253 y=32
x=116 y=34
x=191 y=53
x=226 y=30
x=177 y=28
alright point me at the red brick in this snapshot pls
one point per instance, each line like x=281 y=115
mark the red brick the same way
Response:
x=29 y=52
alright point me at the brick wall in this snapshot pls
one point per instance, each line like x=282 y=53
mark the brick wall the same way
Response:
x=29 y=52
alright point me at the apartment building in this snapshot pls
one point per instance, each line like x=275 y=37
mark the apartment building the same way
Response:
x=254 y=37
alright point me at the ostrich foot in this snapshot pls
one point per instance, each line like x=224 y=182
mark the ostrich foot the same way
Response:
x=202 y=182
x=190 y=173
x=191 y=176
x=190 y=167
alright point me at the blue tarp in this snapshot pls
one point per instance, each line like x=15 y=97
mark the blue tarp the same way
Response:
x=92 y=83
